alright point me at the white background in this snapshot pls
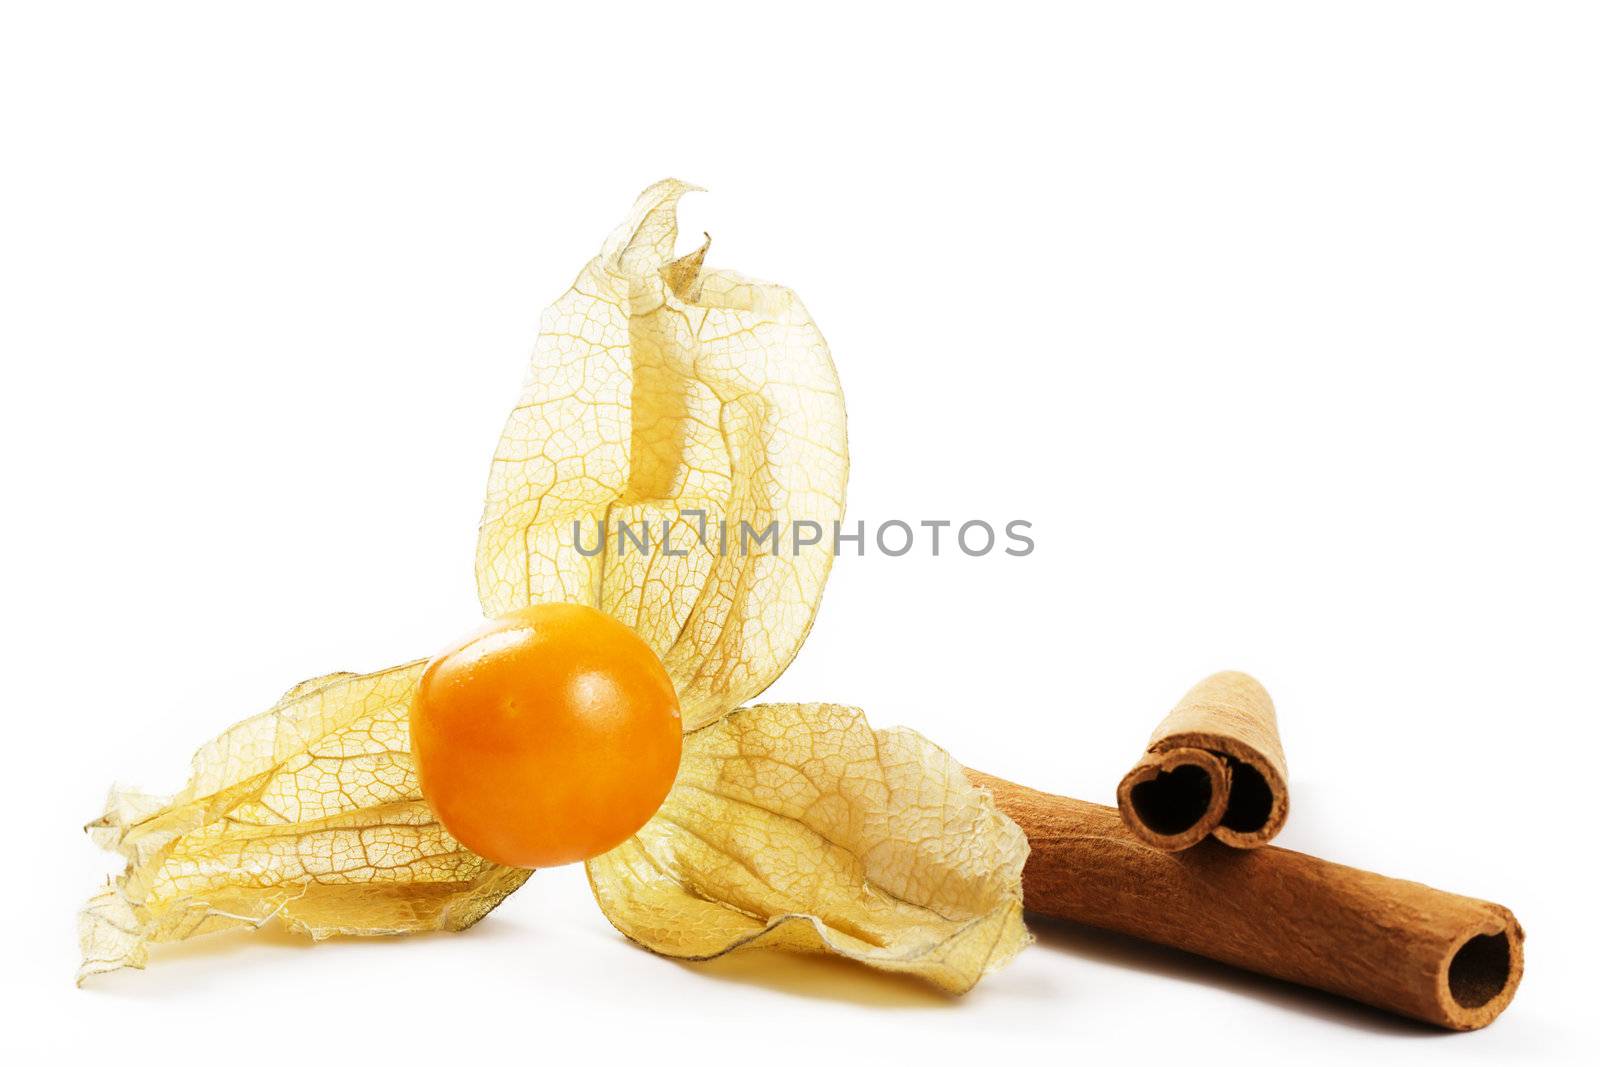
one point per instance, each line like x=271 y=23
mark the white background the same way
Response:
x=1279 y=323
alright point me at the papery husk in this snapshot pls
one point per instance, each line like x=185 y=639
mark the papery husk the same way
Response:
x=798 y=826
x=308 y=813
x=685 y=402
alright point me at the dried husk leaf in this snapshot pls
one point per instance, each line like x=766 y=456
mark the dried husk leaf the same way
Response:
x=798 y=826
x=309 y=812
x=658 y=389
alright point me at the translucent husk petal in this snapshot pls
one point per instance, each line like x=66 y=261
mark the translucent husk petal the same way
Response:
x=701 y=407
x=308 y=813
x=798 y=826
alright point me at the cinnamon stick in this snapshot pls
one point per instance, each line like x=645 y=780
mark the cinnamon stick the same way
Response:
x=1214 y=766
x=1400 y=946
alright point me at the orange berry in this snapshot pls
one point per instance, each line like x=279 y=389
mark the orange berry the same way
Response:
x=548 y=736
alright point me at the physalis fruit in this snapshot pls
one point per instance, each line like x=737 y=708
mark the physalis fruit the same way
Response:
x=548 y=736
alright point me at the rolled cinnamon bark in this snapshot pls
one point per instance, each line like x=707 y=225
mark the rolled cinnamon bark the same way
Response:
x=1172 y=799
x=1214 y=766
x=1396 y=945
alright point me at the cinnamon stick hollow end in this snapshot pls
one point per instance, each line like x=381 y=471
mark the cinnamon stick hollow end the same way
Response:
x=1231 y=716
x=1172 y=799
x=1482 y=972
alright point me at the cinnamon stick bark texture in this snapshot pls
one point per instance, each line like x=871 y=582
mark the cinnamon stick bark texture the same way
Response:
x=1214 y=766
x=1396 y=945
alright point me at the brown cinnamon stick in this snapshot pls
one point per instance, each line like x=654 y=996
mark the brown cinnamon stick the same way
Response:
x=1396 y=945
x=1214 y=766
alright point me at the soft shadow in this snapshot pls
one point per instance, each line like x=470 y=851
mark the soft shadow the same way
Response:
x=1103 y=946
x=189 y=965
x=820 y=977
